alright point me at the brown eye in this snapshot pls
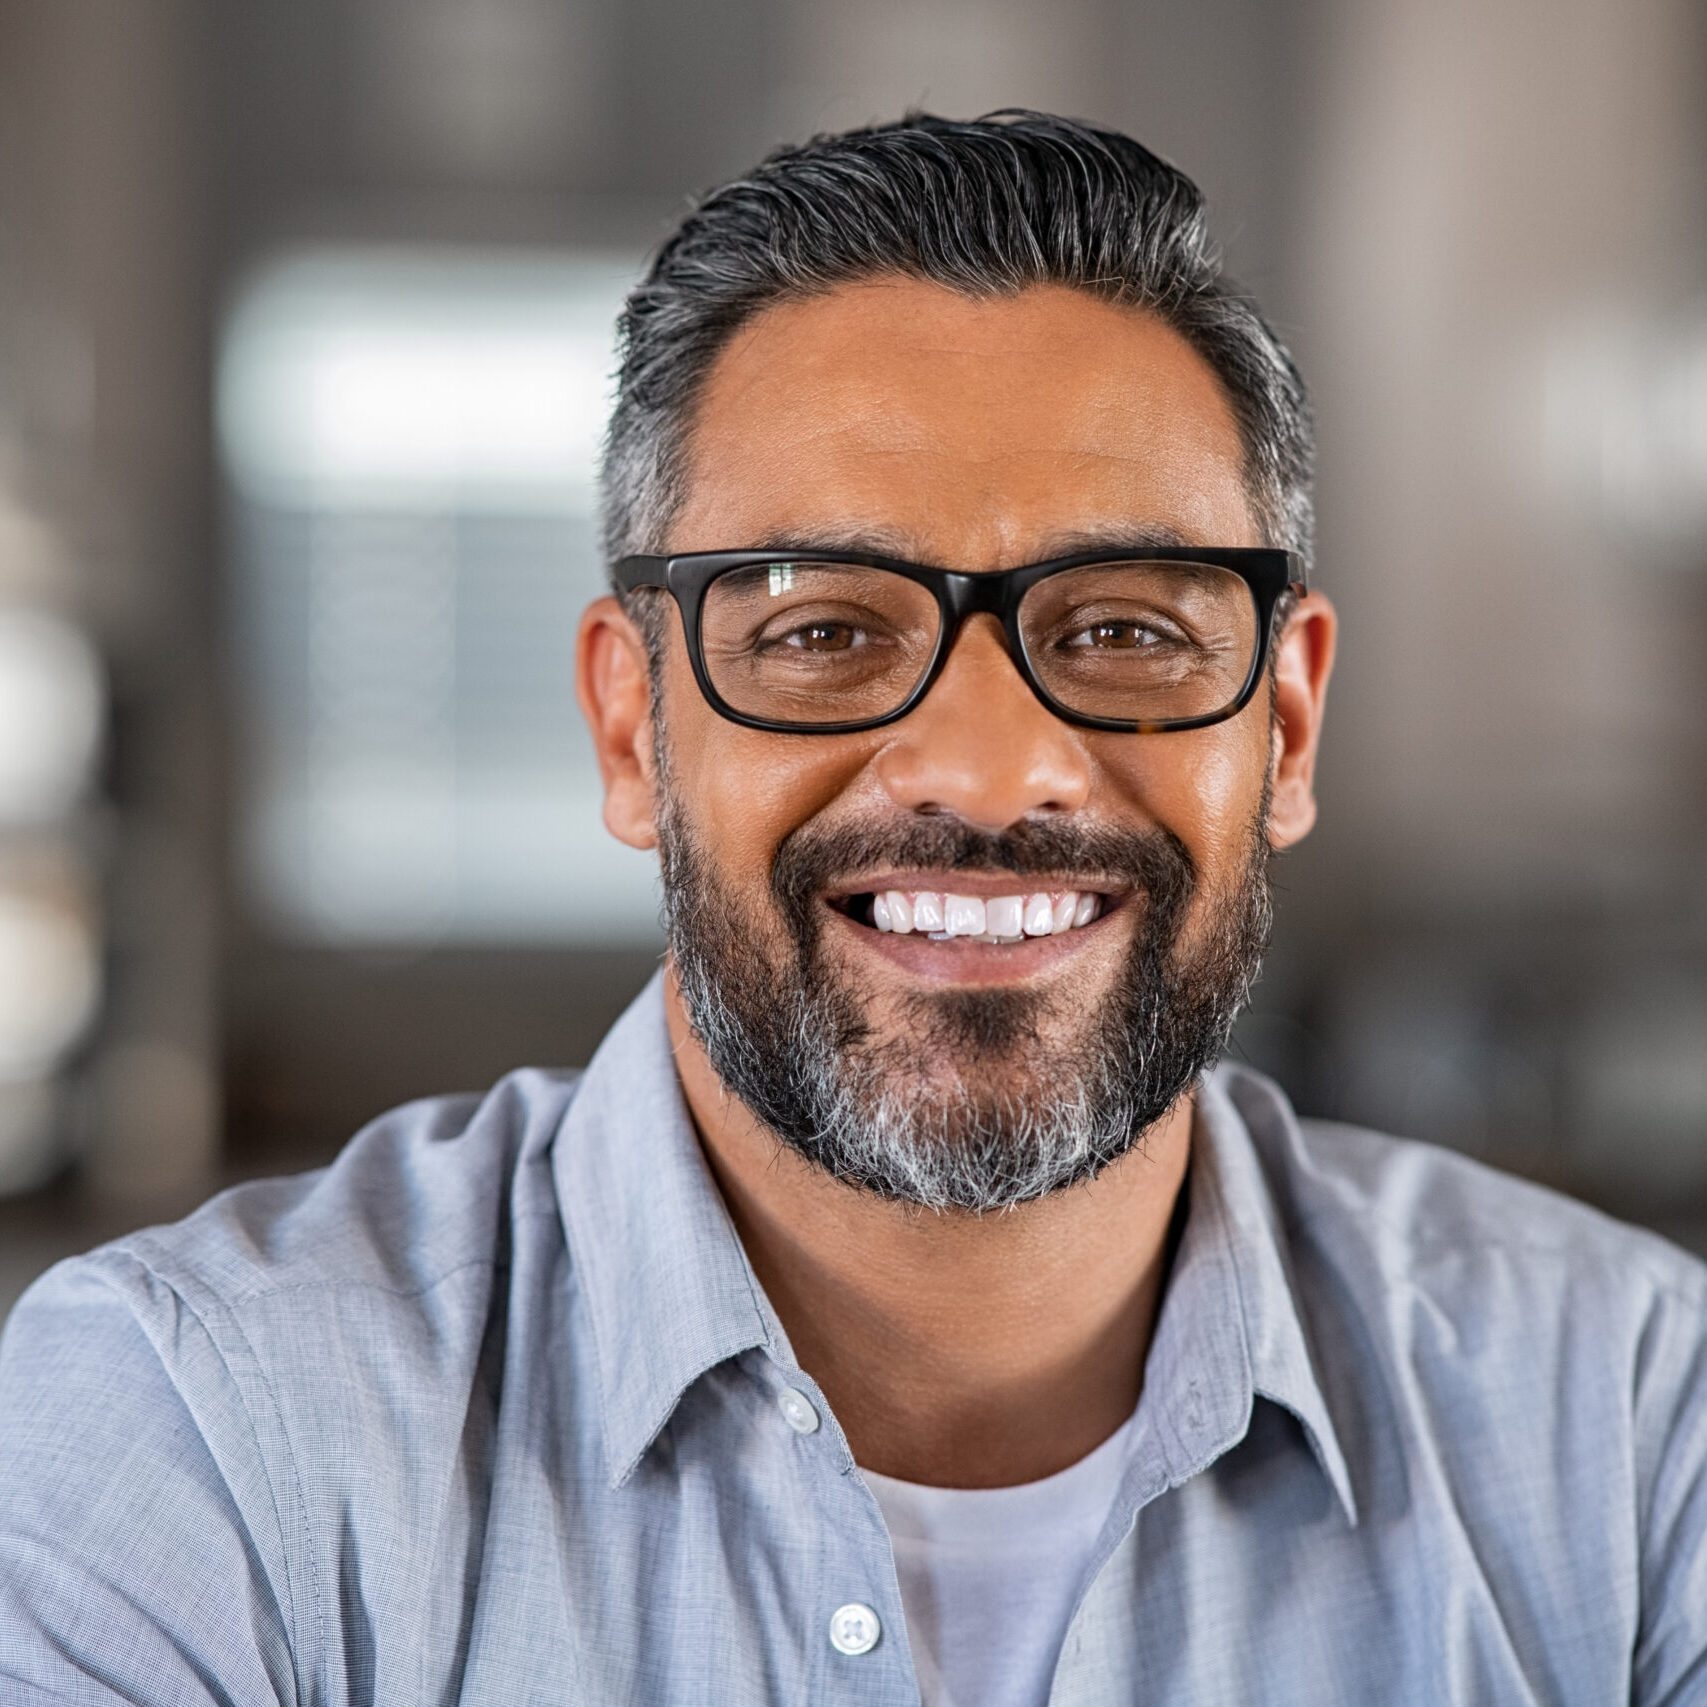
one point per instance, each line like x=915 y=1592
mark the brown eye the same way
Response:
x=1115 y=635
x=823 y=637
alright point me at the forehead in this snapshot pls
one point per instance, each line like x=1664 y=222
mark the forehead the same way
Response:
x=969 y=432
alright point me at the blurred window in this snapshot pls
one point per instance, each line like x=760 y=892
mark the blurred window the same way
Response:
x=411 y=441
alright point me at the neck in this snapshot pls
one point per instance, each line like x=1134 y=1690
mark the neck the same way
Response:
x=956 y=1350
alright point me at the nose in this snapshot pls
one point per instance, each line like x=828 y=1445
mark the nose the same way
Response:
x=981 y=744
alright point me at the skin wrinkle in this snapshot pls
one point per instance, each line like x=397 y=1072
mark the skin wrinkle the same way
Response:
x=834 y=403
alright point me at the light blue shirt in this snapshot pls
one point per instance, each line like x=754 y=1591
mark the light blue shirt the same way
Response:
x=493 y=1411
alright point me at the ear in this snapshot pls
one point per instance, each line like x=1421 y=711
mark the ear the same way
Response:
x=1303 y=663
x=614 y=687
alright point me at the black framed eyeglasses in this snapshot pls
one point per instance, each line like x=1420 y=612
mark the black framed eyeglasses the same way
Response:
x=826 y=643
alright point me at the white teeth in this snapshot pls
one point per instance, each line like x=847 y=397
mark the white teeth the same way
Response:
x=927 y=911
x=998 y=918
x=963 y=915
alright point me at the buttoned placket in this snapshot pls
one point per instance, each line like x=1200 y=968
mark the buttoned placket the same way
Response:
x=857 y=1642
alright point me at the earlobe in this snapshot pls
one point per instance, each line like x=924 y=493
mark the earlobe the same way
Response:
x=1303 y=662
x=614 y=687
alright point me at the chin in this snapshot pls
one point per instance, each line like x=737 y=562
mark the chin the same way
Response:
x=977 y=1043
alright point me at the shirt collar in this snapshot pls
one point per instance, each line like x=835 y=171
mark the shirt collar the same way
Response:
x=1229 y=1329
x=670 y=1292
x=667 y=1285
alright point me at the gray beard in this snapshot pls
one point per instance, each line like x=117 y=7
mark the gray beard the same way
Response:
x=1018 y=1114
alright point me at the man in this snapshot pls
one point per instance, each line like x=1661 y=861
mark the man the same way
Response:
x=898 y=1306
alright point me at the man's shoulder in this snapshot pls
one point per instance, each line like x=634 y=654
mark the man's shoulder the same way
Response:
x=423 y=1192
x=301 y=1376
x=1423 y=1214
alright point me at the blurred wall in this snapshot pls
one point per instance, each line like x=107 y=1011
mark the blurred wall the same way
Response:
x=1496 y=939
x=105 y=155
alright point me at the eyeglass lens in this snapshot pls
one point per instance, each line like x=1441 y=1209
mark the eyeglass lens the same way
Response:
x=1140 y=641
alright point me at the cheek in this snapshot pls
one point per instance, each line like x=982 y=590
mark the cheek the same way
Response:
x=745 y=790
x=1205 y=785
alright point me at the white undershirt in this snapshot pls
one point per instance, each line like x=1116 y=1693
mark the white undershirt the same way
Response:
x=990 y=1576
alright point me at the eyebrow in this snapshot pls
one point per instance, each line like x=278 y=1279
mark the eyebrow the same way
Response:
x=877 y=540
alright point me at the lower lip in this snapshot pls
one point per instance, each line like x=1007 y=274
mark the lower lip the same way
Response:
x=963 y=960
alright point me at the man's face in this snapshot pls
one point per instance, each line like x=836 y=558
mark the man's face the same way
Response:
x=902 y=418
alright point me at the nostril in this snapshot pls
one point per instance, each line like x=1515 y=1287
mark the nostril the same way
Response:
x=985 y=757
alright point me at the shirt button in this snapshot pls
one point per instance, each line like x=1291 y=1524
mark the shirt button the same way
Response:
x=854 y=1629
x=798 y=1413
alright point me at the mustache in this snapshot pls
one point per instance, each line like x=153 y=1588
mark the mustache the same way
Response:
x=813 y=858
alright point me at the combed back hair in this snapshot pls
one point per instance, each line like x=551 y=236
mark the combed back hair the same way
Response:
x=987 y=207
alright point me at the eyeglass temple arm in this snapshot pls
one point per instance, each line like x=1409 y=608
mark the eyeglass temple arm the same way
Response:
x=631 y=572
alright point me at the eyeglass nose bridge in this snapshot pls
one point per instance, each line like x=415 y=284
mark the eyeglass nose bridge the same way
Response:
x=991 y=594
x=974 y=595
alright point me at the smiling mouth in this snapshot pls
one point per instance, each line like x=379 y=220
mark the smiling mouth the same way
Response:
x=943 y=915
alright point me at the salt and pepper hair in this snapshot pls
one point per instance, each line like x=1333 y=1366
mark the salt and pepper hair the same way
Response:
x=987 y=207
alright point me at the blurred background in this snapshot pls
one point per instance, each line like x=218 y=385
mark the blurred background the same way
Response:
x=305 y=315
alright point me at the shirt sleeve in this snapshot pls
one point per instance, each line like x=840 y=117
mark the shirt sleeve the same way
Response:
x=1671 y=1434
x=141 y=1554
